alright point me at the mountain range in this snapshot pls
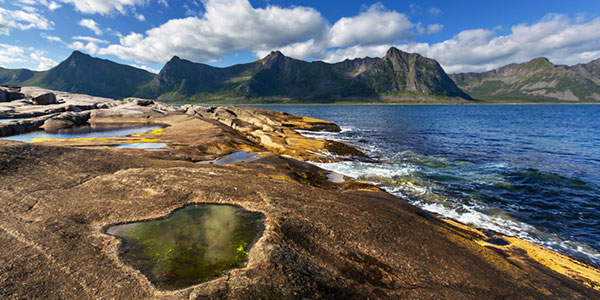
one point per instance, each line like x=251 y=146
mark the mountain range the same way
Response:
x=536 y=80
x=396 y=77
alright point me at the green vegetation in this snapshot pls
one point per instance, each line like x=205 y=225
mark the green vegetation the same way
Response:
x=533 y=82
x=274 y=78
x=194 y=244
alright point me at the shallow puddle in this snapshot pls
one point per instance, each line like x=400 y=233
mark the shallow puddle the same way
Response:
x=192 y=245
x=145 y=146
x=90 y=131
x=237 y=157
x=335 y=177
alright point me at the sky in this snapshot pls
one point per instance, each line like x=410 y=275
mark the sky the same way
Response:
x=463 y=36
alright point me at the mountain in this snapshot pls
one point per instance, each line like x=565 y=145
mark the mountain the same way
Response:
x=81 y=73
x=590 y=70
x=536 y=80
x=398 y=75
x=15 y=76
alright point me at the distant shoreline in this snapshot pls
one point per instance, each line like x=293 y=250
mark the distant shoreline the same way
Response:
x=379 y=104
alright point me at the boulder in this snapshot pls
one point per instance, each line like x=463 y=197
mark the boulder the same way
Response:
x=10 y=93
x=45 y=99
x=66 y=120
x=3 y=95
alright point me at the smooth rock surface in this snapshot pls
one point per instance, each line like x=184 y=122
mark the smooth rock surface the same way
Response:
x=45 y=99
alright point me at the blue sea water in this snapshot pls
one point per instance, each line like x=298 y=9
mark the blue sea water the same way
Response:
x=531 y=171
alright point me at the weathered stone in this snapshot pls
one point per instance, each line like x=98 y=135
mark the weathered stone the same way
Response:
x=3 y=95
x=66 y=120
x=45 y=99
x=323 y=239
x=10 y=93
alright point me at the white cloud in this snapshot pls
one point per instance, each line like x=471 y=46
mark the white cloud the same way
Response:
x=44 y=63
x=91 y=25
x=140 y=17
x=434 y=12
x=357 y=51
x=230 y=26
x=144 y=67
x=51 y=38
x=11 y=54
x=557 y=37
x=22 y=20
x=104 y=7
x=89 y=39
x=50 y=5
x=225 y=27
x=373 y=26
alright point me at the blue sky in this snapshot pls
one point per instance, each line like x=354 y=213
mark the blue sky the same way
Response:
x=461 y=35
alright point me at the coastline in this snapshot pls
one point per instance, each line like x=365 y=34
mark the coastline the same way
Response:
x=354 y=239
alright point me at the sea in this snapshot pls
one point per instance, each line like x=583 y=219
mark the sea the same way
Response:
x=530 y=171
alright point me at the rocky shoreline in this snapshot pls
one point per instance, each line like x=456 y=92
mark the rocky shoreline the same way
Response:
x=323 y=238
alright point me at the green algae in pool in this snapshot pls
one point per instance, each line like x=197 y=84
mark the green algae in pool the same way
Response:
x=192 y=245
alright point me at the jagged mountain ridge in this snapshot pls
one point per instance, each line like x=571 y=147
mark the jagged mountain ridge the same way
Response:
x=81 y=73
x=279 y=76
x=396 y=76
x=535 y=80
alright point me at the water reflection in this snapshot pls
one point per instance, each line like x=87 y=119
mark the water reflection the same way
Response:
x=192 y=245
x=89 y=131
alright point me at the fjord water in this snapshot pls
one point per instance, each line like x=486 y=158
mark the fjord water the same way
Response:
x=531 y=171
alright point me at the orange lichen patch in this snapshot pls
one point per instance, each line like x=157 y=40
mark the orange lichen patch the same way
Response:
x=277 y=177
x=153 y=132
x=570 y=267
x=514 y=247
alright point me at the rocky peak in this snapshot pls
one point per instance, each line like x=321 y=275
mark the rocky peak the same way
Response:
x=274 y=58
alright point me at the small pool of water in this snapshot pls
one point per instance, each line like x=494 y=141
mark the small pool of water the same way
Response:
x=89 y=131
x=237 y=157
x=192 y=245
x=145 y=146
x=335 y=177
x=7 y=120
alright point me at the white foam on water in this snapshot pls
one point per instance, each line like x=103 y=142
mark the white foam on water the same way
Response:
x=361 y=170
x=473 y=214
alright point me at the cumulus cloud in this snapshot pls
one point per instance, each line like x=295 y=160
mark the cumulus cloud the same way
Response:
x=22 y=20
x=91 y=25
x=44 y=63
x=225 y=27
x=50 y=5
x=230 y=26
x=557 y=37
x=144 y=67
x=89 y=39
x=10 y=54
x=104 y=7
x=376 y=25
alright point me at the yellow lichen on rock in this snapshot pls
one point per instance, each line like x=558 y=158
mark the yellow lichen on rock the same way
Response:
x=516 y=248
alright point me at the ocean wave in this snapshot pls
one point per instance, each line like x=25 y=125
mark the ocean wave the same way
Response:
x=401 y=177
